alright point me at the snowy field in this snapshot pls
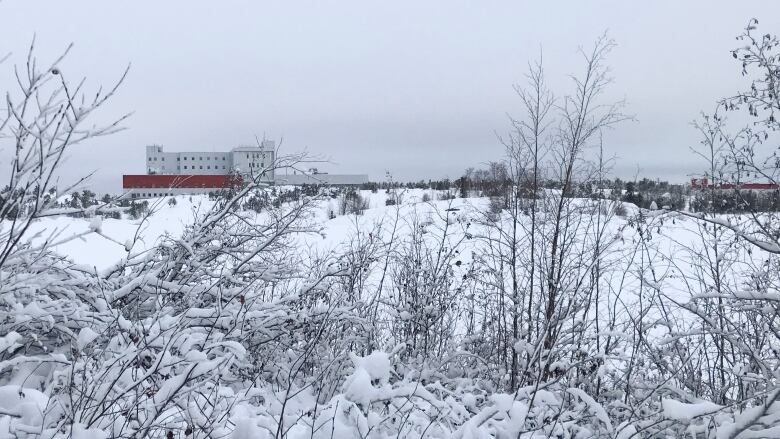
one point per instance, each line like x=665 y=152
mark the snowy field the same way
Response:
x=452 y=254
x=166 y=220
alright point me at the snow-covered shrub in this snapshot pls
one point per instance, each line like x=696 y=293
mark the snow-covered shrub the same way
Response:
x=352 y=203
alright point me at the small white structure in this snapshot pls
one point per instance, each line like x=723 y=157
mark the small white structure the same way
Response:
x=322 y=179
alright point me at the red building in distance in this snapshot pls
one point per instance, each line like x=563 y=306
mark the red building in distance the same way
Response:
x=703 y=183
x=158 y=185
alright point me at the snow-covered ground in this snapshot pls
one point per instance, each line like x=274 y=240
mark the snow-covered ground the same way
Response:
x=167 y=219
x=669 y=238
x=99 y=251
x=170 y=219
x=647 y=256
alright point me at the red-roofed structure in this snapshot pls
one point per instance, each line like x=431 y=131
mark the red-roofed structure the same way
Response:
x=144 y=186
x=704 y=183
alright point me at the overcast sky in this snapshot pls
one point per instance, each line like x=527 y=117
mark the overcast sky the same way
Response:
x=419 y=88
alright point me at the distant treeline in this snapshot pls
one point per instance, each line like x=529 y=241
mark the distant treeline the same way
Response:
x=495 y=182
x=735 y=201
x=491 y=182
x=439 y=185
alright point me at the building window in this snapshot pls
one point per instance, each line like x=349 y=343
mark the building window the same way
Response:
x=201 y=167
x=223 y=166
x=193 y=158
x=200 y=158
x=223 y=157
x=185 y=166
x=208 y=167
x=178 y=159
x=162 y=158
x=150 y=159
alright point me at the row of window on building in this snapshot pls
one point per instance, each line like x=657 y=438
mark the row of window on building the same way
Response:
x=201 y=167
x=208 y=167
x=158 y=194
x=193 y=167
x=148 y=194
x=162 y=159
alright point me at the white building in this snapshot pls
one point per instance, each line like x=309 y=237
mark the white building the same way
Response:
x=177 y=173
x=244 y=160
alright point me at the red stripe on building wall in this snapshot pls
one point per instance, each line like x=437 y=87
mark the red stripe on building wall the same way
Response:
x=180 y=181
x=705 y=184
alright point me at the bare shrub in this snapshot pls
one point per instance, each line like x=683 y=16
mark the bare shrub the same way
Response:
x=352 y=203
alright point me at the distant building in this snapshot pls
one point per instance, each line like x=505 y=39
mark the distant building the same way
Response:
x=159 y=185
x=704 y=183
x=315 y=177
x=175 y=173
x=244 y=160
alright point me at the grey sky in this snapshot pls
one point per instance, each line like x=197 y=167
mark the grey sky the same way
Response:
x=416 y=87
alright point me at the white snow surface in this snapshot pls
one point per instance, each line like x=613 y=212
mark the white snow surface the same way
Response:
x=113 y=239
